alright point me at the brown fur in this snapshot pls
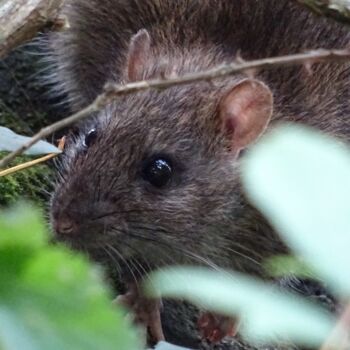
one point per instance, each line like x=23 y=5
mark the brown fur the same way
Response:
x=202 y=216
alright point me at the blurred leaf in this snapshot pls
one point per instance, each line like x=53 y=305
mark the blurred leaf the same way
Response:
x=285 y=265
x=22 y=233
x=267 y=313
x=10 y=141
x=300 y=180
x=55 y=300
x=162 y=345
x=22 y=226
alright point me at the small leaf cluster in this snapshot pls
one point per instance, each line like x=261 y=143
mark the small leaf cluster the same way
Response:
x=51 y=298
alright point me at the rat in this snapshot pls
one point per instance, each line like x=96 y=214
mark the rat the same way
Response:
x=153 y=179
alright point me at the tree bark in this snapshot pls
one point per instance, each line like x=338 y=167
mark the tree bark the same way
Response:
x=20 y=20
x=336 y=9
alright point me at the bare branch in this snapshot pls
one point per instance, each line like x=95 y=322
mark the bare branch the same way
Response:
x=336 y=9
x=112 y=91
x=20 y=20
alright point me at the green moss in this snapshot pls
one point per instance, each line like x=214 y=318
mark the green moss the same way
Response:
x=12 y=121
x=25 y=107
x=30 y=184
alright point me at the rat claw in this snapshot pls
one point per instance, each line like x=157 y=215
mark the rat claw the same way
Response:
x=215 y=327
x=145 y=311
x=203 y=321
x=155 y=325
x=215 y=336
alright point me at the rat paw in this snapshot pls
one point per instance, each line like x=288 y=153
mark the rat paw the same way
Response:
x=214 y=327
x=145 y=311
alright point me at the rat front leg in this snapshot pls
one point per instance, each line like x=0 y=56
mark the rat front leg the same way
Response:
x=215 y=327
x=146 y=311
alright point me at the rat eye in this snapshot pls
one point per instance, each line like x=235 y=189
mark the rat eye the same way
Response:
x=90 y=138
x=157 y=171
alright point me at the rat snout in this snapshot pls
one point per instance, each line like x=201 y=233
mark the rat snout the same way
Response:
x=69 y=212
x=64 y=225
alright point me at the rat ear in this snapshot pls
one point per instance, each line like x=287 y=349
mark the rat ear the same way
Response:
x=245 y=112
x=139 y=48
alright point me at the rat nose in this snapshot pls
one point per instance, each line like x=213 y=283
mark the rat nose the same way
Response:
x=65 y=226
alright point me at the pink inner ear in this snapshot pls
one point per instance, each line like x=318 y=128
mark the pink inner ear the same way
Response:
x=245 y=112
x=139 y=49
x=230 y=125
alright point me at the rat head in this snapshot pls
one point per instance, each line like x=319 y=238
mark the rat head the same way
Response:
x=154 y=174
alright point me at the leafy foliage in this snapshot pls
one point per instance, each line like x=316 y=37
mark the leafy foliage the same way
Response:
x=283 y=265
x=50 y=298
x=300 y=180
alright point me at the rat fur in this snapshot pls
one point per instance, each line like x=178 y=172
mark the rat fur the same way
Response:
x=102 y=204
x=203 y=210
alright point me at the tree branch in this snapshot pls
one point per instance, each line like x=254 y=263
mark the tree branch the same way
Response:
x=336 y=9
x=111 y=91
x=20 y=20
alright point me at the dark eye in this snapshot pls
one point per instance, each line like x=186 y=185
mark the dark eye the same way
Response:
x=157 y=171
x=90 y=138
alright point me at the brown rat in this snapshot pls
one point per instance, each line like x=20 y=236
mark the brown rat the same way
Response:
x=153 y=179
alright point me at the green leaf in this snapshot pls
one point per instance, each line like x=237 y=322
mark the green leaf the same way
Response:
x=267 y=313
x=56 y=300
x=22 y=226
x=300 y=180
x=22 y=232
x=285 y=265
x=10 y=141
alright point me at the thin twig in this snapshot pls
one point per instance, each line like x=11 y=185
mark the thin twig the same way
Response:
x=27 y=165
x=31 y=163
x=112 y=91
x=336 y=9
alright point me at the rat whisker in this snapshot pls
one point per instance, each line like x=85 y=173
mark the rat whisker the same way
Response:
x=116 y=212
x=189 y=254
x=115 y=250
x=115 y=261
x=245 y=256
x=136 y=269
x=156 y=241
x=204 y=260
x=171 y=245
